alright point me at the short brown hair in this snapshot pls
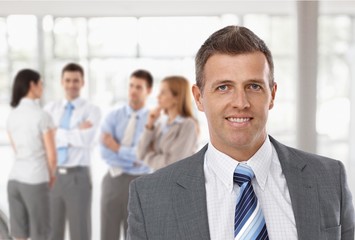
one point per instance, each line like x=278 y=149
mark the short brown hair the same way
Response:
x=231 y=40
x=144 y=74
x=73 y=67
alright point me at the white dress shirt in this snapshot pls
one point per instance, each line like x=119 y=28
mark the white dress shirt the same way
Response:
x=26 y=125
x=269 y=185
x=79 y=142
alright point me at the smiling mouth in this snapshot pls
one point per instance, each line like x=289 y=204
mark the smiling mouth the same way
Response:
x=238 y=120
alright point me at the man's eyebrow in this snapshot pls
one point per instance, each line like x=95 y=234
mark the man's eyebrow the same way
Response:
x=256 y=80
x=219 y=82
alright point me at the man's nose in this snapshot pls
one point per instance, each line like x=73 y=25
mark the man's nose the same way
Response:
x=240 y=99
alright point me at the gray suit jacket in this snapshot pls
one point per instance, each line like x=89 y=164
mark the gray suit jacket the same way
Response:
x=171 y=203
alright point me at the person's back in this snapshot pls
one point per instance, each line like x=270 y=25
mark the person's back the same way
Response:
x=31 y=133
x=26 y=135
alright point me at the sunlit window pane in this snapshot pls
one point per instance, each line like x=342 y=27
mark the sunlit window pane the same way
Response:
x=230 y=19
x=334 y=34
x=5 y=82
x=174 y=36
x=3 y=41
x=113 y=37
x=282 y=120
x=70 y=37
x=260 y=24
x=283 y=35
x=333 y=100
x=22 y=36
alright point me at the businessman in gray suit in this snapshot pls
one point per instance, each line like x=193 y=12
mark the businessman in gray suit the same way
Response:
x=244 y=184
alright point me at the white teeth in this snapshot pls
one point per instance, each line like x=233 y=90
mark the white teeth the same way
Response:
x=238 y=120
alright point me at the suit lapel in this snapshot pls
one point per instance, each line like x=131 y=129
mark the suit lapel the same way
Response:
x=190 y=200
x=302 y=187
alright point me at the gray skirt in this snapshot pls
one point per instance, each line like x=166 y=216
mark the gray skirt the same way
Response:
x=29 y=210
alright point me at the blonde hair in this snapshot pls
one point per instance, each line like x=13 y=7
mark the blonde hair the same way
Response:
x=180 y=88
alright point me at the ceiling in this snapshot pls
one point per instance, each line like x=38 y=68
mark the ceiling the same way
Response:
x=163 y=8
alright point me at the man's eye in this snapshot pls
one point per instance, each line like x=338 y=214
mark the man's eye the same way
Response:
x=255 y=86
x=222 y=88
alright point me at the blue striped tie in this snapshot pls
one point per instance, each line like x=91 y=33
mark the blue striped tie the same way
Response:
x=249 y=222
x=65 y=123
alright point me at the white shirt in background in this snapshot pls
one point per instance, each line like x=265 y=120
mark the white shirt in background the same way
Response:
x=79 y=142
x=26 y=124
x=269 y=185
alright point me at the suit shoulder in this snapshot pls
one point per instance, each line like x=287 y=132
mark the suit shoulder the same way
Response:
x=315 y=158
x=290 y=156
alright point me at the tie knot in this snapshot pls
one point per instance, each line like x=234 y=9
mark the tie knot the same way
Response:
x=133 y=115
x=242 y=174
x=69 y=106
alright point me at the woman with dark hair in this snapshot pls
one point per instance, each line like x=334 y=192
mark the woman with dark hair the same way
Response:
x=31 y=132
x=172 y=136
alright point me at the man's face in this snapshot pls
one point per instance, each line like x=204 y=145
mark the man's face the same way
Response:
x=236 y=100
x=72 y=82
x=138 y=92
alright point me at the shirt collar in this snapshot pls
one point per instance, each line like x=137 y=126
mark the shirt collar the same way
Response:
x=76 y=102
x=29 y=101
x=165 y=118
x=223 y=165
x=139 y=112
x=178 y=119
x=260 y=162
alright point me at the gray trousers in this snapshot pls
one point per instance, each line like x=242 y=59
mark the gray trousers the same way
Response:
x=70 y=199
x=4 y=230
x=114 y=202
x=29 y=210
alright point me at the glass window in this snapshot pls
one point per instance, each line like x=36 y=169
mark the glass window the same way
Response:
x=333 y=100
x=260 y=24
x=110 y=37
x=70 y=37
x=22 y=37
x=174 y=36
x=3 y=40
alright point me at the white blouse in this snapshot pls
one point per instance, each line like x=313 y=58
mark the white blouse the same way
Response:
x=26 y=124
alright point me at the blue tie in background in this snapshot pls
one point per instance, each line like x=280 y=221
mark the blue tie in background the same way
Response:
x=249 y=222
x=64 y=123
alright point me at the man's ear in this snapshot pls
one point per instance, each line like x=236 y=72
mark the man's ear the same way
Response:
x=150 y=90
x=196 y=92
x=273 y=94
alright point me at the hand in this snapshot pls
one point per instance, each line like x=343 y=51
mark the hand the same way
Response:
x=137 y=163
x=85 y=125
x=153 y=116
x=51 y=181
x=110 y=142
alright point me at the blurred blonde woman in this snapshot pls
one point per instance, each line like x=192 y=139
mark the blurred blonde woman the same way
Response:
x=173 y=135
x=31 y=132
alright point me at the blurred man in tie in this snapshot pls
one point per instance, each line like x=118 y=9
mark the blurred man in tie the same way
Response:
x=120 y=133
x=77 y=121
